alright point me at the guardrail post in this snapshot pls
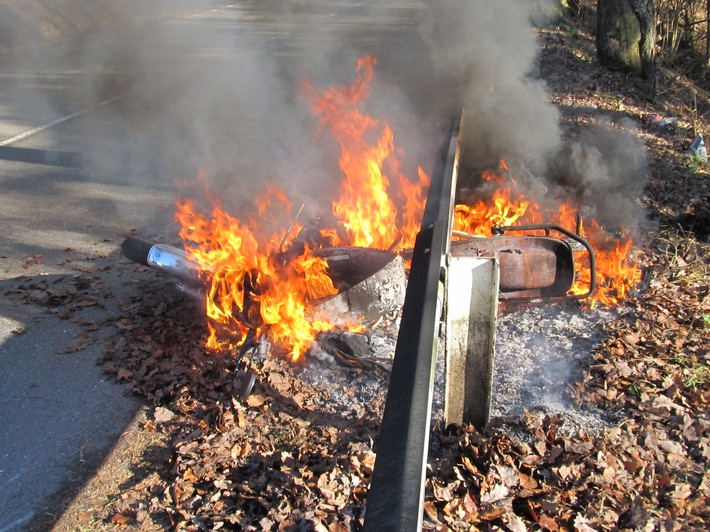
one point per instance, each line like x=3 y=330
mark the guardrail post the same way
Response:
x=471 y=307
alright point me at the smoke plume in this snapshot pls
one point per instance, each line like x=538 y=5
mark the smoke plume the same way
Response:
x=220 y=95
x=485 y=55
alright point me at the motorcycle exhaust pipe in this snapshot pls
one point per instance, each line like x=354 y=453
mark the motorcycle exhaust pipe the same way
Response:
x=169 y=260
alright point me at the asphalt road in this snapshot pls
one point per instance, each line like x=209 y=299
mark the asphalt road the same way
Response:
x=99 y=137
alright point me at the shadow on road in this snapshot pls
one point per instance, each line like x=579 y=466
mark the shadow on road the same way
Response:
x=59 y=411
x=63 y=159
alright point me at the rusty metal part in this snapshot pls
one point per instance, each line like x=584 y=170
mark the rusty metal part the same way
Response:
x=548 y=228
x=530 y=266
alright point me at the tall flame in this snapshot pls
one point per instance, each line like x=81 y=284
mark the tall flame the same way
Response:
x=367 y=211
x=229 y=250
x=256 y=256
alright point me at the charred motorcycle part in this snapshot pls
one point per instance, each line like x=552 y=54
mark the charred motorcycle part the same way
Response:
x=162 y=257
x=531 y=266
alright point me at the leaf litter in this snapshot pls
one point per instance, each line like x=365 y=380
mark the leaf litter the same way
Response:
x=616 y=439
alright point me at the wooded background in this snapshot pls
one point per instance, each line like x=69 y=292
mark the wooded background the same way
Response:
x=636 y=34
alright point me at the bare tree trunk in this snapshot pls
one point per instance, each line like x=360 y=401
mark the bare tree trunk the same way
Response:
x=618 y=35
x=646 y=15
x=626 y=35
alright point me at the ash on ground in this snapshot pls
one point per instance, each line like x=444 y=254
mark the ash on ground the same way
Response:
x=352 y=370
x=539 y=354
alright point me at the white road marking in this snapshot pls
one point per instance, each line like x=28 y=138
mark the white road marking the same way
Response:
x=56 y=122
x=30 y=132
x=15 y=525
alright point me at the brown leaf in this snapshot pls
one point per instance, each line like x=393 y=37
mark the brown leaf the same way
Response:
x=442 y=493
x=498 y=492
x=453 y=509
x=85 y=518
x=299 y=399
x=489 y=513
x=704 y=486
x=527 y=482
x=634 y=463
x=279 y=382
x=581 y=524
x=469 y=504
x=225 y=421
x=470 y=467
x=266 y=523
x=124 y=374
x=120 y=519
x=632 y=337
x=79 y=343
x=240 y=449
x=507 y=475
x=189 y=476
x=241 y=420
x=553 y=454
x=256 y=400
x=515 y=523
x=162 y=414
x=548 y=523
x=430 y=511
x=86 y=302
x=367 y=461
x=31 y=260
x=680 y=493
x=541 y=447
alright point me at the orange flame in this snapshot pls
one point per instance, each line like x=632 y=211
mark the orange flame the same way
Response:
x=229 y=251
x=378 y=207
x=366 y=210
x=235 y=254
x=615 y=273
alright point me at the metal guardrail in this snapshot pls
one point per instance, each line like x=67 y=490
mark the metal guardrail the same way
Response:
x=396 y=496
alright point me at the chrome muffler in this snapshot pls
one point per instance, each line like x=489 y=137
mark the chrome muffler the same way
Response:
x=170 y=260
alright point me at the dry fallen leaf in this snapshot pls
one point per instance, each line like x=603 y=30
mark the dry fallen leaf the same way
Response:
x=498 y=492
x=120 y=519
x=85 y=518
x=161 y=414
x=548 y=523
x=256 y=400
x=430 y=511
x=124 y=374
